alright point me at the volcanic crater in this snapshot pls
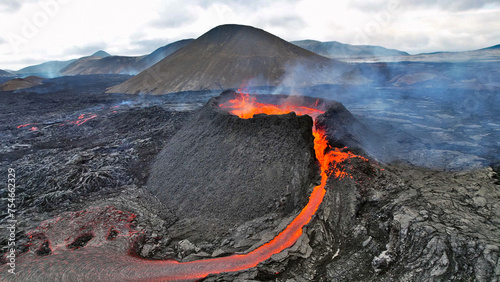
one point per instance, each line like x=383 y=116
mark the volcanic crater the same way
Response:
x=221 y=170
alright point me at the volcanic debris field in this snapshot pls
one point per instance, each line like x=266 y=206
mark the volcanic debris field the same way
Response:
x=103 y=185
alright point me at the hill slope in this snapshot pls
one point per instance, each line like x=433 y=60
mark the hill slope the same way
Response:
x=47 y=69
x=121 y=64
x=106 y=65
x=161 y=53
x=81 y=64
x=222 y=58
x=489 y=54
x=21 y=83
x=5 y=74
x=341 y=51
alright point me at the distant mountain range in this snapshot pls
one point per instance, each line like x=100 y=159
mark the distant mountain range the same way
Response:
x=346 y=52
x=368 y=53
x=47 y=69
x=481 y=55
x=101 y=63
x=496 y=47
x=121 y=64
x=227 y=55
x=5 y=73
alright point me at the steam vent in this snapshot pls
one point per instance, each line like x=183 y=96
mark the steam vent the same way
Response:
x=222 y=169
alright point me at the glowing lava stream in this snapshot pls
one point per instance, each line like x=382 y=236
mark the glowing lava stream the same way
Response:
x=245 y=107
x=202 y=268
x=116 y=267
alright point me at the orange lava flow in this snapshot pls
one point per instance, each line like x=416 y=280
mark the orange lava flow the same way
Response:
x=329 y=159
x=186 y=271
x=246 y=107
x=132 y=268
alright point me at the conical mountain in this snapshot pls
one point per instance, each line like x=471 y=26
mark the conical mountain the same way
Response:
x=222 y=58
x=101 y=53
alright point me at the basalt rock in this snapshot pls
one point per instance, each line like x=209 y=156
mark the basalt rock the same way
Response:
x=345 y=130
x=222 y=169
x=396 y=223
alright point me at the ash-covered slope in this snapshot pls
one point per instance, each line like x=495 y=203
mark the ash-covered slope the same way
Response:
x=161 y=53
x=79 y=65
x=106 y=65
x=222 y=169
x=222 y=58
x=21 y=83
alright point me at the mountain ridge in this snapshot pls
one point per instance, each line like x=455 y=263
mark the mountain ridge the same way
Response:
x=4 y=73
x=122 y=64
x=223 y=58
x=342 y=51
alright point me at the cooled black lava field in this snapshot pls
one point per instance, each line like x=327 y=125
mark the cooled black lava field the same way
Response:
x=426 y=205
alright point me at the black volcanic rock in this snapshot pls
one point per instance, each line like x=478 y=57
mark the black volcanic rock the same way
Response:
x=222 y=58
x=221 y=168
x=386 y=223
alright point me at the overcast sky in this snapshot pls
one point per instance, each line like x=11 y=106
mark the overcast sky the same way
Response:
x=35 y=31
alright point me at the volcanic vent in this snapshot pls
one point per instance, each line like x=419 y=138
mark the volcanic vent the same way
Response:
x=223 y=168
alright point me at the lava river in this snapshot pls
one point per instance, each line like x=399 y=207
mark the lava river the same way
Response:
x=92 y=264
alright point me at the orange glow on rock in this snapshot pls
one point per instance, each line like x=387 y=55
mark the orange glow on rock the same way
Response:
x=245 y=106
x=329 y=159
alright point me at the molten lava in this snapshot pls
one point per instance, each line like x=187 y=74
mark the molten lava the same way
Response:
x=245 y=106
x=329 y=159
x=83 y=119
x=25 y=125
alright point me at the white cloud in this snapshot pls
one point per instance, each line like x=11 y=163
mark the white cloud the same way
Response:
x=13 y=5
x=130 y=27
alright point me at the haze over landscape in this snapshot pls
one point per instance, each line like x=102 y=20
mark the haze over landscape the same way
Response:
x=250 y=141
